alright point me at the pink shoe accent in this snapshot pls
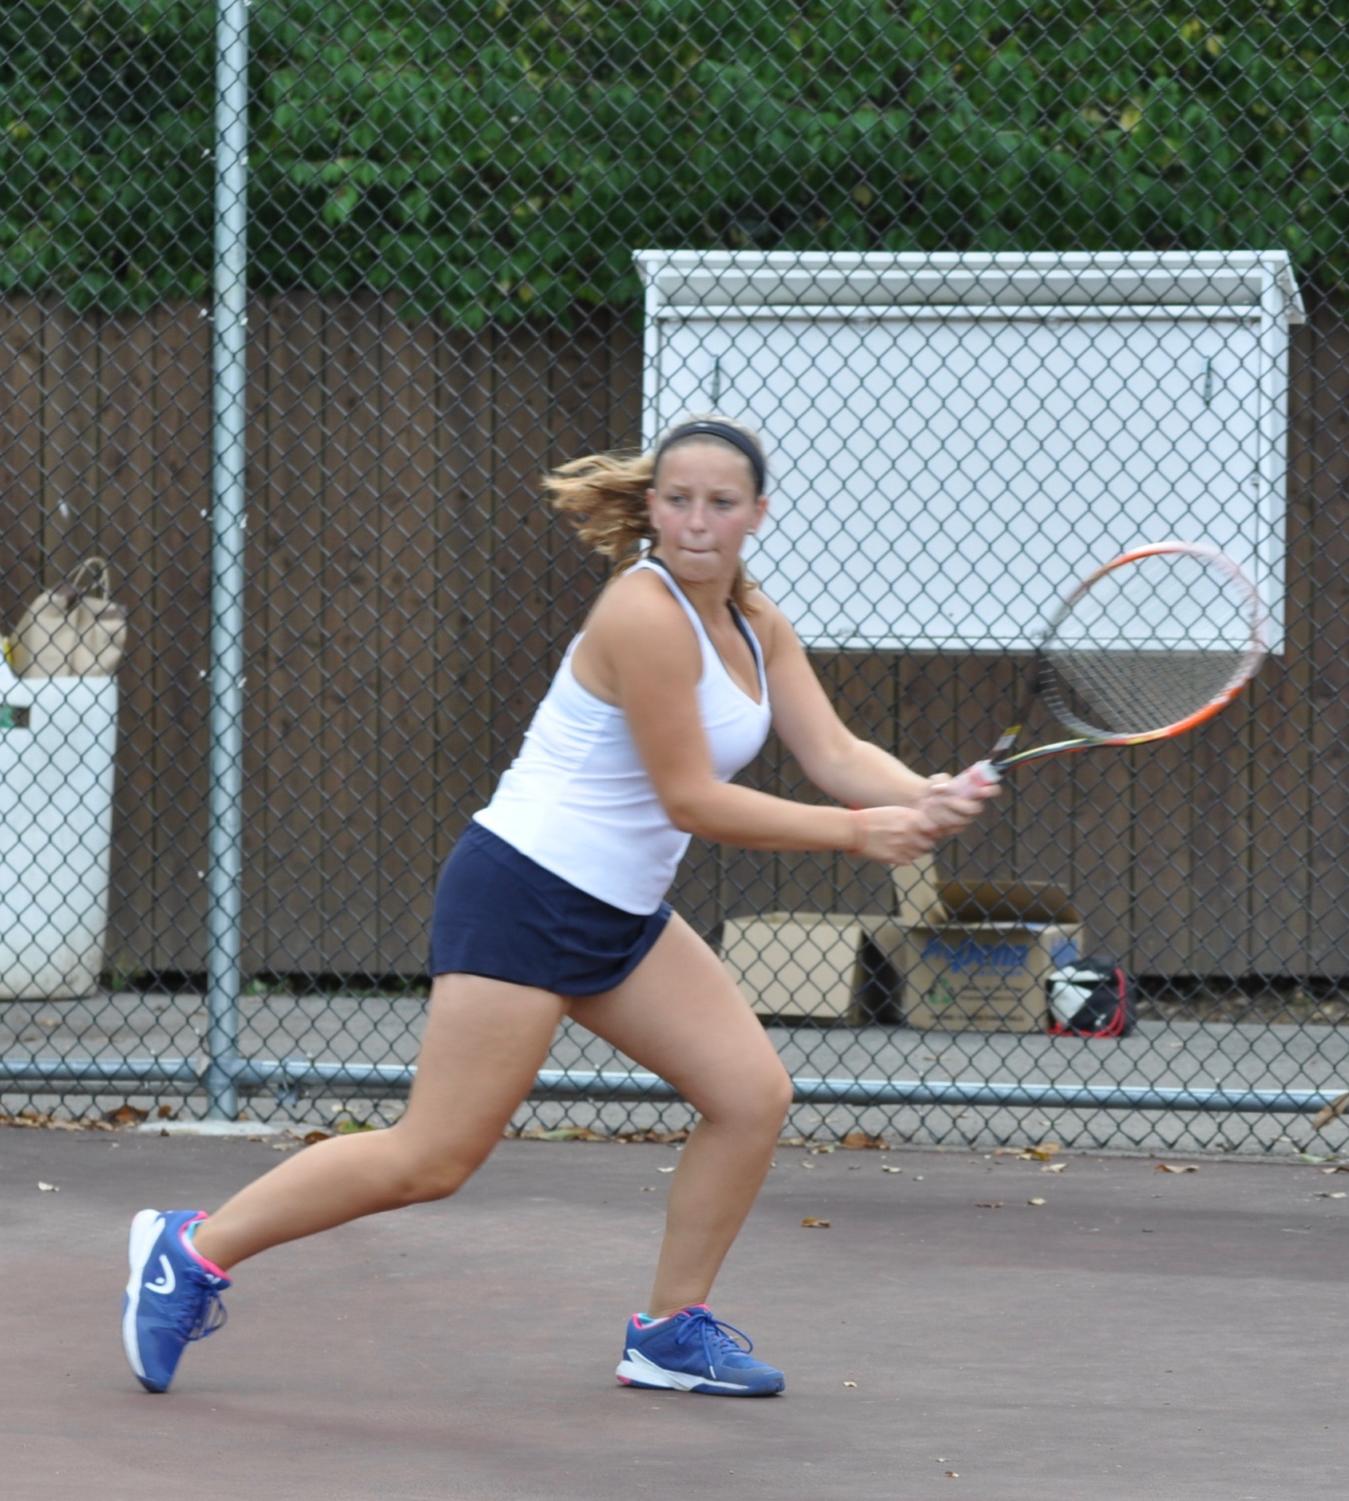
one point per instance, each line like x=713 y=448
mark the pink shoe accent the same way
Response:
x=644 y=1322
x=195 y=1254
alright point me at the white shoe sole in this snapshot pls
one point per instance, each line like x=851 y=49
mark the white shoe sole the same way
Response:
x=145 y=1229
x=644 y=1373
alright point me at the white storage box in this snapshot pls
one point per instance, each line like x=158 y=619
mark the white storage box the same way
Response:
x=58 y=741
x=986 y=406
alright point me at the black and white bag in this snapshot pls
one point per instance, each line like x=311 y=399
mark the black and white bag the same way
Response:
x=1091 y=998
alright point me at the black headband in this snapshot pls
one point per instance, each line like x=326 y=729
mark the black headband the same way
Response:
x=727 y=434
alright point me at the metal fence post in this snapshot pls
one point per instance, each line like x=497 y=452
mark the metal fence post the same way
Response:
x=229 y=400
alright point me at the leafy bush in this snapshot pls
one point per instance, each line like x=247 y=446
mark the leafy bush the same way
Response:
x=493 y=159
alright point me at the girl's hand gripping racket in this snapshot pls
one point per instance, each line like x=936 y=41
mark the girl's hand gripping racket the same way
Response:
x=1148 y=646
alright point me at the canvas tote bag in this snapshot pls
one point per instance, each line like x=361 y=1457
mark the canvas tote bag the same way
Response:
x=73 y=629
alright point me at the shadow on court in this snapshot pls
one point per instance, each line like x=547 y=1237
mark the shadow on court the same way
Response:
x=1139 y=1334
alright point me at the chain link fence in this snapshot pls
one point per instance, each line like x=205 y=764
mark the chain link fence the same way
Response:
x=297 y=302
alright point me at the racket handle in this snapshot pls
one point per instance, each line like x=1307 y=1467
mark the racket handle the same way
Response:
x=974 y=779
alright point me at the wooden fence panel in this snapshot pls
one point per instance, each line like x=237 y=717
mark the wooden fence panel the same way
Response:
x=70 y=439
x=23 y=494
x=466 y=755
x=410 y=566
x=1327 y=707
x=176 y=640
x=523 y=642
x=351 y=728
x=409 y=597
x=130 y=423
x=1163 y=799
x=1282 y=814
x=286 y=932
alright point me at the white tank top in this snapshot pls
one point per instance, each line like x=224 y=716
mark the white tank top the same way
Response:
x=577 y=799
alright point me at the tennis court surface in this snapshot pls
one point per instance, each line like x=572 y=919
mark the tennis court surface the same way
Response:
x=1140 y=1333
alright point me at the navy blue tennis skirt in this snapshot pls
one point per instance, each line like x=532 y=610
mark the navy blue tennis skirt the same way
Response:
x=499 y=914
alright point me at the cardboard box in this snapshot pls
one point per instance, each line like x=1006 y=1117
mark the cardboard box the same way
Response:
x=981 y=958
x=824 y=966
x=954 y=955
x=815 y=966
x=982 y=976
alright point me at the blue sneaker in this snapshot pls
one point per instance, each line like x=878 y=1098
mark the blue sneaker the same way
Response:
x=693 y=1352
x=172 y=1296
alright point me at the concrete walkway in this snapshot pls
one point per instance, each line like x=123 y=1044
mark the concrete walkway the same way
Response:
x=1141 y=1334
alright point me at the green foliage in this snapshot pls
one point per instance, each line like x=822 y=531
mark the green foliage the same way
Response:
x=489 y=159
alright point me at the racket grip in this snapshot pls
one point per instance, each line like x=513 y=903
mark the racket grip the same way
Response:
x=974 y=779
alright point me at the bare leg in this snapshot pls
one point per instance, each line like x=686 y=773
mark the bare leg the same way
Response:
x=680 y=1015
x=484 y=1043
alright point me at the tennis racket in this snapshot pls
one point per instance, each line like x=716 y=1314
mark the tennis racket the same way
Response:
x=1146 y=647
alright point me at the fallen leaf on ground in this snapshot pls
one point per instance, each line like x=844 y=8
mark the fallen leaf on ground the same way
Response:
x=1042 y=1153
x=859 y=1141
x=1330 y=1196
x=811 y=1223
x=48 y=1188
x=1035 y=1203
x=850 y=1383
x=1054 y=1167
x=823 y=1150
x=1184 y=1167
x=126 y=1115
x=665 y=1169
x=34 y=1118
x=886 y=1168
x=310 y=1137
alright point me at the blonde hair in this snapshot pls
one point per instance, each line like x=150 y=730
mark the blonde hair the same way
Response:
x=604 y=497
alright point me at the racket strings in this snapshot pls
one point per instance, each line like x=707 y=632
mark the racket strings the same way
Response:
x=1124 y=691
x=1149 y=645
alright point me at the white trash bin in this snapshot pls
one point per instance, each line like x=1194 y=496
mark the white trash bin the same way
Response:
x=58 y=742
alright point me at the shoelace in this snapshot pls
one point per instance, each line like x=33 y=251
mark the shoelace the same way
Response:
x=203 y=1316
x=717 y=1338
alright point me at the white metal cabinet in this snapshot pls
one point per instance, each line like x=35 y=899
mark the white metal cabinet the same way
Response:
x=953 y=439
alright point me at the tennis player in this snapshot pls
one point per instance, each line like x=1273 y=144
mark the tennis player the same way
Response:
x=552 y=903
